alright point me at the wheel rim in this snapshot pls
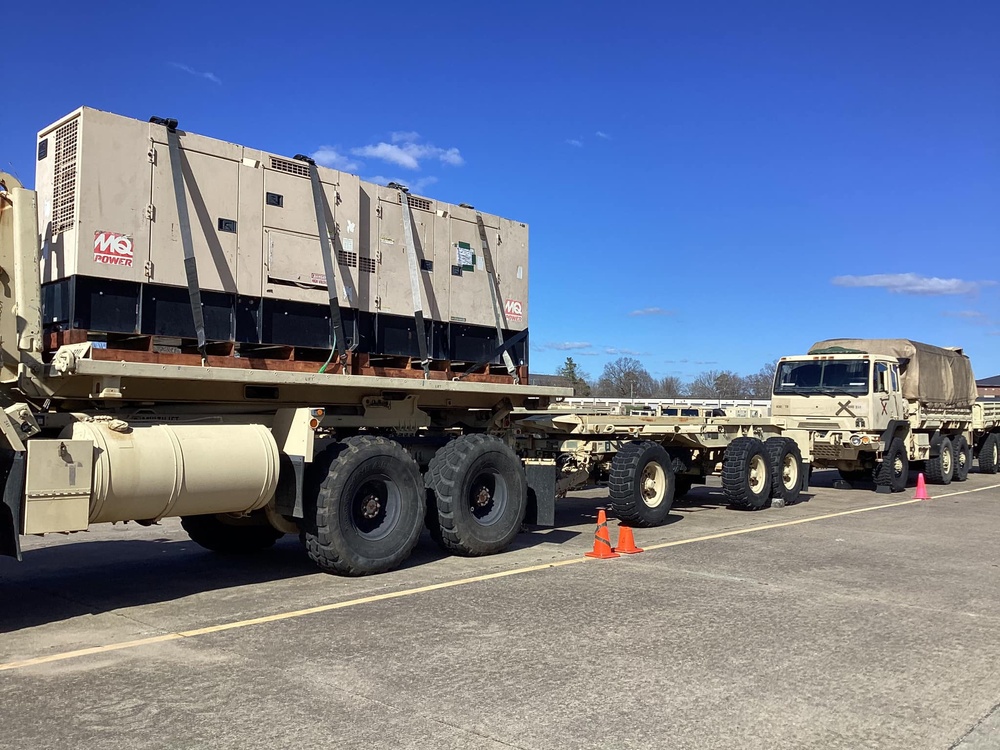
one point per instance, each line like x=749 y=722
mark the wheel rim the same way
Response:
x=653 y=483
x=897 y=466
x=488 y=496
x=375 y=508
x=946 y=462
x=789 y=472
x=994 y=451
x=961 y=458
x=757 y=474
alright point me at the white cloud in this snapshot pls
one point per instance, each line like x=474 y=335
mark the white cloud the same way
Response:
x=651 y=311
x=408 y=154
x=602 y=134
x=328 y=156
x=911 y=283
x=200 y=74
x=404 y=136
x=614 y=350
x=575 y=142
x=565 y=346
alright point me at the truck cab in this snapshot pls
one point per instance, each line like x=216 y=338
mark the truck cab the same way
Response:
x=839 y=404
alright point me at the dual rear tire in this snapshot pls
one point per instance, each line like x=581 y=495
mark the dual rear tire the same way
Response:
x=370 y=502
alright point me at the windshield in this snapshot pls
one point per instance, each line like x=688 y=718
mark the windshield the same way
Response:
x=823 y=376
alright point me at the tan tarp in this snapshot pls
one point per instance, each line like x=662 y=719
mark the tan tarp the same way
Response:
x=933 y=376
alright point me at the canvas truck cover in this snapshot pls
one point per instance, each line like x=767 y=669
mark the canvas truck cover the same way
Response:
x=931 y=375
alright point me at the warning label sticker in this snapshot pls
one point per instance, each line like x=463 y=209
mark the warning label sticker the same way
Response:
x=113 y=249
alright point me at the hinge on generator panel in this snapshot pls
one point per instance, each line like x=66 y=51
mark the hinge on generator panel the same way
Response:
x=147 y=269
x=378 y=211
x=378 y=303
x=150 y=211
x=151 y=155
x=378 y=257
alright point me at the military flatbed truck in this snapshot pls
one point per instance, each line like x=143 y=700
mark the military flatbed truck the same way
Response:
x=874 y=408
x=259 y=346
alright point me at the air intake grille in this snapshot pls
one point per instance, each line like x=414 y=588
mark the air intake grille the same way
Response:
x=420 y=203
x=367 y=265
x=64 y=181
x=290 y=167
x=346 y=258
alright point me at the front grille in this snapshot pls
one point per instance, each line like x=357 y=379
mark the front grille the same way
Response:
x=821 y=450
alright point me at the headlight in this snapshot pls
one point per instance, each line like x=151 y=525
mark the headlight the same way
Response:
x=855 y=440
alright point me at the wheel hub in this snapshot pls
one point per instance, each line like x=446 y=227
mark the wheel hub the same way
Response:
x=370 y=506
x=481 y=497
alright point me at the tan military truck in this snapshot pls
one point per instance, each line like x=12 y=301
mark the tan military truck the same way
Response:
x=874 y=408
x=260 y=346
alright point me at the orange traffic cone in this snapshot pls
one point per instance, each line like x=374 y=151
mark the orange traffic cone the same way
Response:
x=626 y=541
x=602 y=539
x=921 y=488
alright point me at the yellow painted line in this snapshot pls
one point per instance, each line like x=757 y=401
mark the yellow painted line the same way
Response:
x=282 y=615
x=810 y=519
x=65 y=655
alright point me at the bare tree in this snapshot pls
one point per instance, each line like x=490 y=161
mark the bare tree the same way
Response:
x=669 y=387
x=703 y=385
x=730 y=385
x=759 y=384
x=718 y=384
x=625 y=378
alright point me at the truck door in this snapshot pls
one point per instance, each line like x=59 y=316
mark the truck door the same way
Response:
x=887 y=401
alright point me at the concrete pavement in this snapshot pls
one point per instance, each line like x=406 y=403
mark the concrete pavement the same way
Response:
x=805 y=627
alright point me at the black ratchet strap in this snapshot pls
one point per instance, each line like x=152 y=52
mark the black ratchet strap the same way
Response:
x=336 y=322
x=184 y=225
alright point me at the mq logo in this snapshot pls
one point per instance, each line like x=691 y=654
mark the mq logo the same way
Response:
x=113 y=249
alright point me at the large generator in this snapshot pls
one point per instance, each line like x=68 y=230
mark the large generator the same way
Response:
x=122 y=204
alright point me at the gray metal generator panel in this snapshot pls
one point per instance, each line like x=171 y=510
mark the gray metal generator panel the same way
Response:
x=107 y=209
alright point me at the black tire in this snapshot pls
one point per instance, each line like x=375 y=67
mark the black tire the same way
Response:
x=941 y=469
x=480 y=494
x=989 y=455
x=786 y=468
x=963 y=458
x=682 y=485
x=894 y=471
x=368 y=508
x=642 y=485
x=231 y=535
x=746 y=474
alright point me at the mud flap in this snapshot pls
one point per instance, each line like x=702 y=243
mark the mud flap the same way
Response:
x=541 y=494
x=12 y=465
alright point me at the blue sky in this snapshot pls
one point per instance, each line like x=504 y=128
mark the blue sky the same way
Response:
x=709 y=185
